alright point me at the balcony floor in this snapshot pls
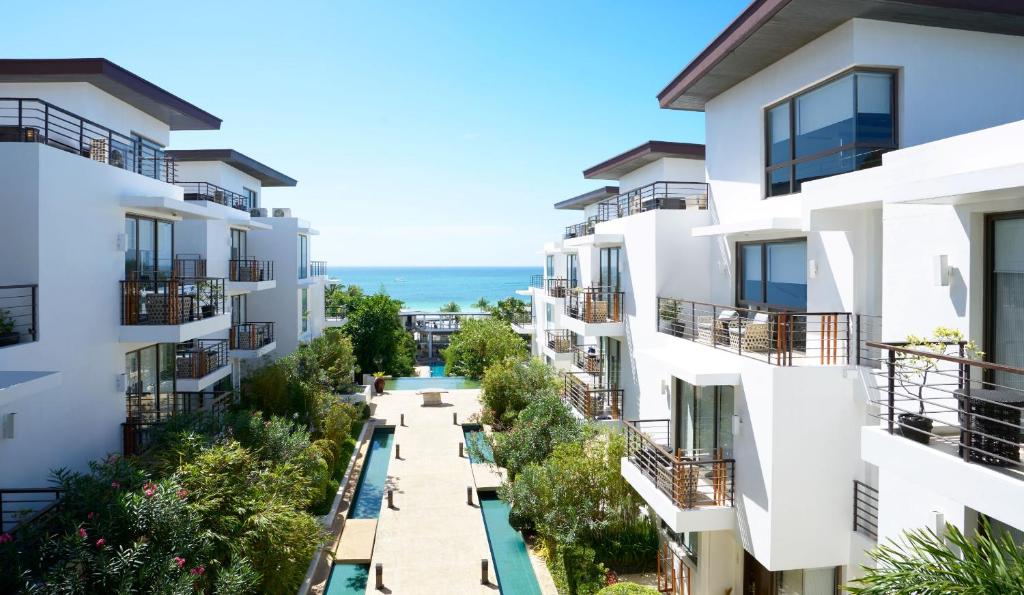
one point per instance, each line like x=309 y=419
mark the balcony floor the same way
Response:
x=252 y=353
x=702 y=518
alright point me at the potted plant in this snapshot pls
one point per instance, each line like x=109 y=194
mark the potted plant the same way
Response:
x=8 y=336
x=668 y=313
x=912 y=373
x=378 y=382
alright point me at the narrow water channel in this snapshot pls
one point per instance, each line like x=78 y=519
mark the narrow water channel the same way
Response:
x=511 y=560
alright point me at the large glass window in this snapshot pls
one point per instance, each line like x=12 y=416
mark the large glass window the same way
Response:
x=239 y=304
x=809 y=581
x=1006 y=299
x=149 y=248
x=305 y=309
x=238 y=244
x=704 y=418
x=303 y=256
x=840 y=126
x=773 y=274
x=571 y=266
x=609 y=269
x=150 y=389
x=251 y=197
x=549 y=266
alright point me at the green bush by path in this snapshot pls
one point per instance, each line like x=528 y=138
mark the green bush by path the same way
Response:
x=480 y=343
x=510 y=384
x=627 y=589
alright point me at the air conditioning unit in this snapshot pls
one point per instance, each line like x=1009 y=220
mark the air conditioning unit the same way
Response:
x=283 y=213
x=257 y=212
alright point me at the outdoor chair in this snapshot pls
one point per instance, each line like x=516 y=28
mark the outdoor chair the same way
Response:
x=715 y=329
x=752 y=334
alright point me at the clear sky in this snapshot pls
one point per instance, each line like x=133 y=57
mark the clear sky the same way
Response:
x=421 y=133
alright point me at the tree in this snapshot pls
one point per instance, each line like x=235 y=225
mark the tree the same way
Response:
x=329 y=361
x=451 y=307
x=926 y=563
x=478 y=344
x=482 y=304
x=342 y=298
x=379 y=341
x=509 y=385
x=541 y=426
x=511 y=310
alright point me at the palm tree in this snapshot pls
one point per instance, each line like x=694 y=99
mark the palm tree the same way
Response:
x=451 y=307
x=926 y=563
x=482 y=304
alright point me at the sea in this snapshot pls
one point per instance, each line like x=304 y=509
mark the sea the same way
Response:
x=429 y=288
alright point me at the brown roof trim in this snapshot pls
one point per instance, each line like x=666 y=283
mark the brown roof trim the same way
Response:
x=638 y=156
x=577 y=203
x=126 y=86
x=267 y=176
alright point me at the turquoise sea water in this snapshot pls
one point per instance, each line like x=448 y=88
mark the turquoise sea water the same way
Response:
x=511 y=560
x=429 y=288
x=370 y=491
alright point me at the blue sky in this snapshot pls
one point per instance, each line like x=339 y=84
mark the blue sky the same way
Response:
x=421 y=133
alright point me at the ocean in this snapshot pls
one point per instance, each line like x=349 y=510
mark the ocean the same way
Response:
x=429 y=288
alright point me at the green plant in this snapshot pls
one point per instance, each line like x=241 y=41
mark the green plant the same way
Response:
x=379 y=374
x=627 y=589
x=379 y=341
x=669 y=310
x=912 y=369
x=510 y=310
x=510 y=384
x=482 y=304
x=928 y=564
x=478 y=344
x=541 y=426
x=574 y=570
x=451 y=307
x=6 y=322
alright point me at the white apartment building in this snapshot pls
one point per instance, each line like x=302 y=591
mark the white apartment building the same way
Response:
x=864 y=174
x=129 y=274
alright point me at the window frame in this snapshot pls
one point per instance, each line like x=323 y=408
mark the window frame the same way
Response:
x=740 y=302
x=792 y=163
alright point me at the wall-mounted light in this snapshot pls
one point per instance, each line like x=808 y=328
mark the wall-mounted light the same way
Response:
x=812 y=268
x=30 y=135
x=737 y=425
x=940 y=266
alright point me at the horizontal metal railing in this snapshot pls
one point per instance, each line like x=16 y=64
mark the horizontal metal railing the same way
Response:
x=336 y=311
x=191 y=266
x=556 y=287
x=865 y=509
x=560 y=340
x=591 y=400
x=674 y=574
x=522 y=318
x=585 y=228
x=594 y=304
x=779 y=338
x=214 y=193
x=146 y=411
x=588 y=358
x=32 y=120
x=317 y=268
x=20 y=506
x=171 y=301
x=19 y=314
x=447 y=322
x=537 y=281
x=655 y=196
x=936 y=394
x=199 y=357
x=690 y=478
x=250 y=270
x=250 y=336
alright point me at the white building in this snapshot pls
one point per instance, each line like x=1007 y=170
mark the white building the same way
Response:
x=865 y=181
x=119 y=266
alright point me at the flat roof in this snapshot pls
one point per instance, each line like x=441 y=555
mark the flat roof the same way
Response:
x=111 y=78
x=769 y=30
x=578 y=203
x=267 y=176
x=649 y=152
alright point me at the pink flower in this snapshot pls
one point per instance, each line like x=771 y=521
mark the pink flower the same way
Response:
x=182 y=493
x=6 y=538
x=179 y=561
x=149 y=489
x=101 y=542
x=198 y=570
x=91 y=516
x=116 y=485
x=82 y=533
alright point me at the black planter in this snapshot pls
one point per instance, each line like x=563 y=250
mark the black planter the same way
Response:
x=207 y=311
x=9 y=339
x=378 y=385
x=915 y=427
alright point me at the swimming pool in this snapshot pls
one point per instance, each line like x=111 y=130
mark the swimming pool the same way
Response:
x=417 y=383
x=348 y=579
x=475 y=436
x=370 y=490
x=511 y=560
x=437 y=370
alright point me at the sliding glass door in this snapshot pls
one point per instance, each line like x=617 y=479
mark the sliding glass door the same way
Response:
x=609 y=269
x=704 y=418
x=1005 y=320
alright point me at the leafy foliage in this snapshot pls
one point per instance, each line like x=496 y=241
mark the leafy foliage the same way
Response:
x=450 y=307
x=627 y=589
x=328 y=362
x=510 y=384
x=574 y=570
x=379 y=341
x=510 y=309
x=480 y=343
x=924 y=563
x=541 y=426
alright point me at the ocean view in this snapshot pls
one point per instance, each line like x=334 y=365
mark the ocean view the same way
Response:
x=428 y=288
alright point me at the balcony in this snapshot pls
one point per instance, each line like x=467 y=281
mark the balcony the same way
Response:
x=594 y=312
x=172 y=310
x=588 y=358
x=579 y=230
x=865 y=510
x=22 y=506
x=655 y=196
x=559 y=341
x=216 y=194
x=318 y=268
x=201 y=362
x=522 y=322
x=19 y=314
x=590 y=398
x=337 y=315
x=556 y=287
x=30 y=120
x=537 y=281
x=251 y=339
x=249 y=274
x=778 y=338
x=690 y=490
x=146 y=411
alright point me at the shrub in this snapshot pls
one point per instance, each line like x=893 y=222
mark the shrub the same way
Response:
x=510 y=384
x=541 y=426
x=574 y=570
x=627 y=589
x=480 y=343
x=328 y=361
x=380 y=342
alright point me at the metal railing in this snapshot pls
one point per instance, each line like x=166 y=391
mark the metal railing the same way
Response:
x=19 y=314
x=522 y=318
x=32 y=120
x=214 y=193
x=20 y=506
x=556 y=286
x=936 y=394
x=199 y=357
x=594 y=304
x=560 y=340
x=585 y=228
x=592 y=401
x=146 y=411
x=779 y=338
x=654 y=196
x=588 y=358
x=318 y=268
x=171 y=301
x=537 y=281
x=690 y=478
x=867 y=330
x=673 y=572
x=250 y=270
x=336 y=312
x=250 y=336
x=865 y=510
x=190 y=266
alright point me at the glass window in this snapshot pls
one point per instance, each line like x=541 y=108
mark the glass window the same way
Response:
x=1006 y=304
x=752 y=281
x=165 y=249
x=773 y=274
x=778 y=135
x=809 y=581
x=874 y=108
x=570 y=268
x=238 y=307
x=549 y=312
x=131 y=247
x=305 y=309
x=704 y=418
x=303 y=257
x=824 y=118
x=251 y=197
x=149 y=248
x=549 y=266
x=238 y=244
x=609 y=271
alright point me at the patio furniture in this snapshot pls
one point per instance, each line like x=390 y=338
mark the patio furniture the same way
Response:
x=161 y=309
x=715 y=329
x=990 y=428
x=752 y=334
x=431 y=396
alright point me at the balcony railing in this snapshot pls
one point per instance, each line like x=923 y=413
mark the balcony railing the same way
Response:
x=588 y=358
x=591 y=400
x=537 y=281
x=31 y=120
x=673 y=572
x=318 y=268
x=191 y=266
x=779 y=338
x=556 y=286
x=594 y=305
x=213 y=193
x=655 y=196
x=865 y=510
x=560 y=340
x=19 y=314
x=690 y=478
x=250 y=336
x=171 y=301
x=585 y=228
x=336 y=311
x=938 y=395
x=250 y=270
x=20 y=506
x=522 y=318
x=146 y=411
x=199 y=357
